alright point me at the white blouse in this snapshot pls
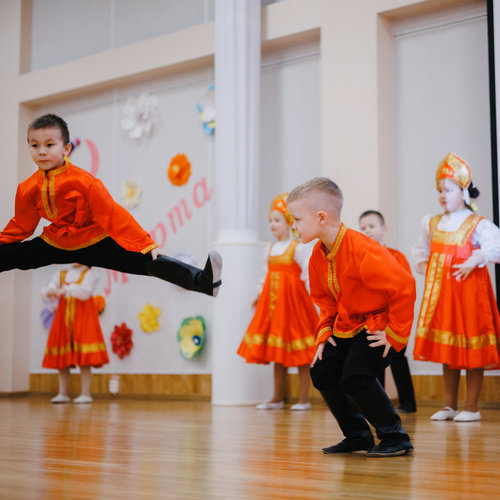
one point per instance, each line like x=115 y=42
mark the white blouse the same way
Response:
x=301 y=257
x=486 y=239
x=82 y=291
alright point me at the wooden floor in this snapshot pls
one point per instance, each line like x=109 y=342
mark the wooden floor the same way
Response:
x=135 y=449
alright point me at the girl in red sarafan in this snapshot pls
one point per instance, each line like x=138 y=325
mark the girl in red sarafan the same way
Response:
x=75 y=337
x=282 y=329
x=459 y=324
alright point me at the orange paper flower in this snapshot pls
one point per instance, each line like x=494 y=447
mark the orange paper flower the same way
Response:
x=179 y=170
x=100 y=303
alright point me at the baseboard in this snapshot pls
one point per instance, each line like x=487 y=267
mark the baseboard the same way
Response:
x=190 y=386
x=428 y=388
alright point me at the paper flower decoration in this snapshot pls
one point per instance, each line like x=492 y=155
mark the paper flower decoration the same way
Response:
x=149 y=318
x=139 y=115
x=74 y=144
x=121 y=340
x=130 y=194
x=206 y=109
x=179 y=170
x=100 y=303
x=191 y=337
x=48 y=311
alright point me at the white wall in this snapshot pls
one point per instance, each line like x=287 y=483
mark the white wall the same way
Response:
x=73 y=29
x=290 y=123
x=442 y=105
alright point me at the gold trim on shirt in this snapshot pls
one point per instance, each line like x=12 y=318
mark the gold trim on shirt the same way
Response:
x=49 y=190
x=322 y=331
x=391 y=333
x=337 y=242
x=349 y=334
x=95 y=240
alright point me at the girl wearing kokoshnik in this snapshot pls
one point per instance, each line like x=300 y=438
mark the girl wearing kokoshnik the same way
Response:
x=282 y=329
x=459 y=324
x=75 y=337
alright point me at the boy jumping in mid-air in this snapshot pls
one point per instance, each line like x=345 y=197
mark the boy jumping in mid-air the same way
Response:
x=366 y=302
x=86 y=225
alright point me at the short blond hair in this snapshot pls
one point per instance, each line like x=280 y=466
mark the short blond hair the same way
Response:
x=319 y=185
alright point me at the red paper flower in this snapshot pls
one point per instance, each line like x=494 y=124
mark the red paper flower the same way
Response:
x=179 y=170
x=121 y=340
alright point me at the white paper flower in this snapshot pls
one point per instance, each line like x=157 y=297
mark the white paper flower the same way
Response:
x=130 y=194
x=139 y=115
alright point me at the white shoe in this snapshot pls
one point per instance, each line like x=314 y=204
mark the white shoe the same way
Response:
x=60 y=399
x=216 y=263
x=467 y=416
x=82 y=399
x=446 y=414
x=271 y=406
x=301 y=406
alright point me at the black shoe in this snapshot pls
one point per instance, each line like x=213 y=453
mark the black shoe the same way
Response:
x=179 y=273
x=406 y=409
x=391 y=448
x=213 y=272
x=350 y=445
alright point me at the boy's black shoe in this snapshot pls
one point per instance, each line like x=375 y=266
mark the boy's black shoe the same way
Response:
x=391 y=448
x=350 y=445
x=179 y=273
x=212 y=273
x=406 y=409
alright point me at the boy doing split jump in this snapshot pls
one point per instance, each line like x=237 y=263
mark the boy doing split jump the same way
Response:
x=86 y=225
x=366 y=302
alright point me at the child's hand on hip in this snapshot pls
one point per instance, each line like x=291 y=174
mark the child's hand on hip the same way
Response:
x=379 y=338
x=321 y=347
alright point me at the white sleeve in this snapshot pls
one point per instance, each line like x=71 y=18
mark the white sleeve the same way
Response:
x=265 y=268
x=420 y=251
x=52 y=286
x=487 y=238
x=85 y=289
x=301 y=256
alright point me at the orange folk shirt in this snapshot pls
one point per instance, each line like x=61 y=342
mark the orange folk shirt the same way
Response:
x=360 y=285
x=80 y=209
x=400 y=257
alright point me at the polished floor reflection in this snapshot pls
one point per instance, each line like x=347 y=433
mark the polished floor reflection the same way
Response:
x=134 y=449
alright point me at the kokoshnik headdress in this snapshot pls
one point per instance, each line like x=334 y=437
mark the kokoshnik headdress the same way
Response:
x=455 y=169
x=279 y=203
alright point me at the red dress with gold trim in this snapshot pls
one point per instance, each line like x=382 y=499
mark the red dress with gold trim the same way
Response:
x=75 y=337
x=282 y=329
x=459 y=324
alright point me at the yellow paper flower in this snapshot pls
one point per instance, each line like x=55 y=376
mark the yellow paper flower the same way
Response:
x=191 y=337
x=149 y=318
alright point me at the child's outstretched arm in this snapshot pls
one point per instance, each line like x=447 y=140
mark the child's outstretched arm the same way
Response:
x=25 y=219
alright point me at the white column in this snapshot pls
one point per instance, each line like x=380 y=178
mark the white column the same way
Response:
x=237 y=87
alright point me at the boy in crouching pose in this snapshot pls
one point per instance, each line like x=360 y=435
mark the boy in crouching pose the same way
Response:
x=366 y=302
